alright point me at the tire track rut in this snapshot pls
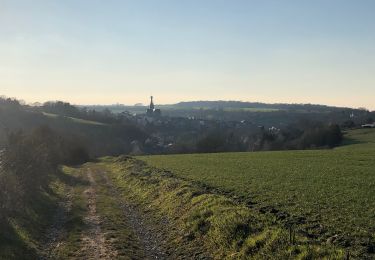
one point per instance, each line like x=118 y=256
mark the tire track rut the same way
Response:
x=150 y=240
x=93 y=240
x=56 y=233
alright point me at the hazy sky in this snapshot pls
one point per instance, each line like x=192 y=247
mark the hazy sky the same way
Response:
x=91 y=51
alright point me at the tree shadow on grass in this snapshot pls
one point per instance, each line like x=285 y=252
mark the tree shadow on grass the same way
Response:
x=12 y=245
x=347 y=141
x=71 y=180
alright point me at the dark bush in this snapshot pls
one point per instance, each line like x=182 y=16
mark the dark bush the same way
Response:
x=27 y=162
x=321 y=136
x=348 y=124
x=212 y=143
x=77 y=155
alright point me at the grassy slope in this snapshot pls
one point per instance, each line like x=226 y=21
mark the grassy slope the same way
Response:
x=199 y=224
x=23 y=238
x=333 y=191
x=73 y=119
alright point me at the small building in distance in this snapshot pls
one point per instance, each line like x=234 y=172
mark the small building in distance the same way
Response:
x=369 y=125
x=151 y=111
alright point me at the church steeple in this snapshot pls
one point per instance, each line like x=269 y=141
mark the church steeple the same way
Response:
x=152 y=106
x=152 y=111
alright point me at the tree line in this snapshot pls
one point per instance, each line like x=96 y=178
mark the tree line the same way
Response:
x=27 y=162
x=305 y=135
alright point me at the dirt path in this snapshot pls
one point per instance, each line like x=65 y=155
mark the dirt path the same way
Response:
x=94 y=221
x=55 y=234
x=150 y=240
x=93 y=240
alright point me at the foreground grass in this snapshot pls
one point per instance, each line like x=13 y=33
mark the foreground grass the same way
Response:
x=211 y=225
x=329 y=194
x=20 y=238
x=70 y=242
x=24 y=236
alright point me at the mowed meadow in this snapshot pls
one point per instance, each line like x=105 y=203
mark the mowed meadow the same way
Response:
x=328 y=195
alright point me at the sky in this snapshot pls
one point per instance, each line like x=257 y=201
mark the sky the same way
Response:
x=108 y=51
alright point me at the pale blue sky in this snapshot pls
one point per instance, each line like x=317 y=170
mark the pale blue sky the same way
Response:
x=91 y=51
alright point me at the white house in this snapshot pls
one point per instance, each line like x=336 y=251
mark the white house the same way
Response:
x=369 y=125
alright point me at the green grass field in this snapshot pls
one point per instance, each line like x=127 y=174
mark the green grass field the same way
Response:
x=76 y=120
x=331 y=193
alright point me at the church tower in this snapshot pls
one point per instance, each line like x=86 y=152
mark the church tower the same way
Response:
x=151 y=111
x=152 y=106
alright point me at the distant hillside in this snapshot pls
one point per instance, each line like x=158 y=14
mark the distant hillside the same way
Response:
x=182 y=127
x=102 y=133
x=278 y=115
x=220 y=104
x=226 y=106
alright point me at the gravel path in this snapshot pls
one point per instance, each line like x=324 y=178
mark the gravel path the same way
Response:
x=93 y=241
x=56 y=233
x=150 y=240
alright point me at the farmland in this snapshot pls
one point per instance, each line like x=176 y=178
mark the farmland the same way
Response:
x=316 y=204
x=73 y=119
x=329 y=194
